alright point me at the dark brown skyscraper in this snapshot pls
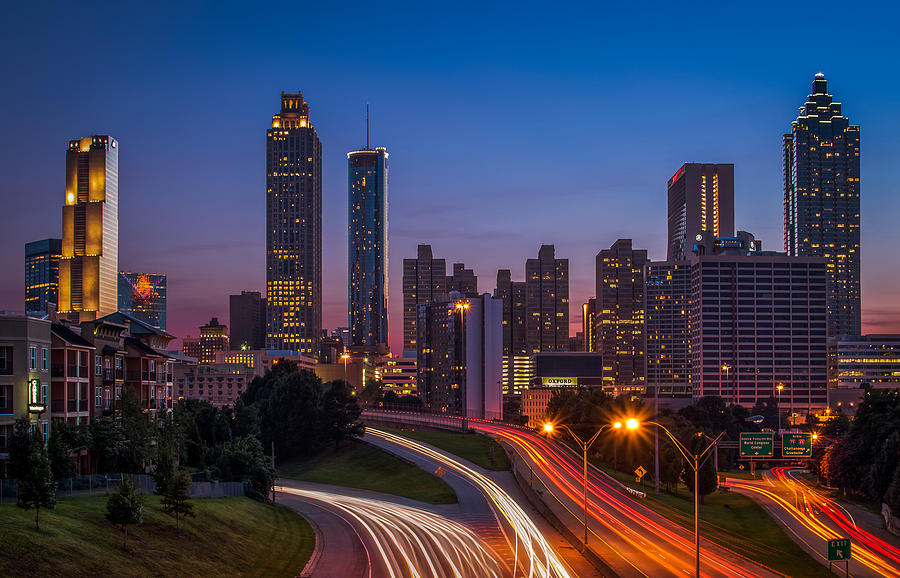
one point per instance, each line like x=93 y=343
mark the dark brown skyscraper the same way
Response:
x=547 y=302
x=701 y=198
x=424 y=278
x=463 y=280
x=821 y=201
x=620 y=315
x=293 y=229
x=247 y=318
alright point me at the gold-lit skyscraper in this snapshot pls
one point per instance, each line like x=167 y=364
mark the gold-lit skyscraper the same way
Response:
x=293 y=230
x=89 y=264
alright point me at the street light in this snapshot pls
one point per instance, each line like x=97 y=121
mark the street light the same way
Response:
x=725 y=368
x=694 y=461
x=778 y=388
x=345 y=356
x=585 y=446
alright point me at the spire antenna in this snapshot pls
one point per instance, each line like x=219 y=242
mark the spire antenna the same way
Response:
x=367 y=126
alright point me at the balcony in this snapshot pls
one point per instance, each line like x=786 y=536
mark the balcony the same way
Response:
x=132 y=375
x=84 y=405
x=58 y=371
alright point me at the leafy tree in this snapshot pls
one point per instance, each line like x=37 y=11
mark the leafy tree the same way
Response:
x=105 y=443
x=372 y=393
x=59 y=450
x=512 y=410
x=671 y=465
x=137 y=433
x=164 y=473
x=244 y=460
x=881 y=471
x=708 y=481
x=176 y=499
x=35 y=483
x=892 y=494
x=21 y=446
x=245 y=420
x=125 y=507
x=340 y=412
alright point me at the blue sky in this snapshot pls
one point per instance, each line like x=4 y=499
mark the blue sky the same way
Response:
x=509 y=125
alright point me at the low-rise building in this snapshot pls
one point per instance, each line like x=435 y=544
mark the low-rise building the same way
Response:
x=219 y=384
x=398 y=374
x=261 y=360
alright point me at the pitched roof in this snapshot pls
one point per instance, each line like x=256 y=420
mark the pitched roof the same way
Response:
x=138 y=327
x=69 y=336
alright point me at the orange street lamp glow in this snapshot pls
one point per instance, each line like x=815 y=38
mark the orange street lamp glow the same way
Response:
x=617 y=425
x=548 y=427
x=632 y=423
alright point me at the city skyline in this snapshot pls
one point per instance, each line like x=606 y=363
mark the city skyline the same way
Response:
x=416 y=191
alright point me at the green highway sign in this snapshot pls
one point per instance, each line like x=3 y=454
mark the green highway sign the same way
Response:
x=757 y=445
x=839 y=550
x=796 y=445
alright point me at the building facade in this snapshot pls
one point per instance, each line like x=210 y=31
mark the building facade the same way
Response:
x=261 y=361
x=463 y=280
x=667 y=328
x=758 y=319
x=701 y=198
x=213 y=338
x=293 y=229
x=547 y=302
x=460 y=350
x=247 y=320
x=619 y=331
x=821 y=201
x=868 y=359
x=220 y=385
x=143 y=296
x=89 y=263
x=42 y=275
x=424 y=278
x=368 y=249
x=398 y=374
x=516 y=356
x=588 y=324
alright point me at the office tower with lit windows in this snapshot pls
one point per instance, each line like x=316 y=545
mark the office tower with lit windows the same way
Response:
x=758 y=319
x=368 y=249
x=247 y=320
x=42 y=275
x=143 y=296
x=701 y=198
x=463 y=280
x=667 y=328
x=588 y=323
x=424 y=278
x=619 y=330
x=89 y=263
x=547 y=302
x=293 y=230
x=516 y=367
x=460 y=349
x=213 y=338
x=821 y=201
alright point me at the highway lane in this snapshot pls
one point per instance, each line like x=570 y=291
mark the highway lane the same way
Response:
x=811 y=518
x=533 y=556
x=631 y=538
x=400 y=541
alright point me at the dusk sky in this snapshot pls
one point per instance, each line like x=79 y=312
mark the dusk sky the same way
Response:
x=508 y=126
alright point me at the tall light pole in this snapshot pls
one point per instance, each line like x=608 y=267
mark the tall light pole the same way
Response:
x=344 y=357
x=726 y=367
x=585 y=446
x=461 y=361
x=696 y=461
x=778 y=388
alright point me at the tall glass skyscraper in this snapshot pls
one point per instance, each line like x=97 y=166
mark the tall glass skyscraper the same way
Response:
x=42 y=275
x=701 y=198
x=368 y=248
x=90 y=230
x=293 y=230
x=821 y=201
x=143 y=296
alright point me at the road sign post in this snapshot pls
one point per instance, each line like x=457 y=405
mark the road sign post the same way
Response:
x=840 y=550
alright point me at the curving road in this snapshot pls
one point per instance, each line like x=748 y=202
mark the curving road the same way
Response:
x=392 y=540
x=811 y=518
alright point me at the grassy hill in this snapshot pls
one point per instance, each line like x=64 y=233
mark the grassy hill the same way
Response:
x=229 y=536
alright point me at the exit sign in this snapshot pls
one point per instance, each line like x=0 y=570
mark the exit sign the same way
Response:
x=839 y=550
x=796 y=445
x=757 y=445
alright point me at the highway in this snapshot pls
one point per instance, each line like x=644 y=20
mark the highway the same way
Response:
x=632 y=539
x=398 y=541
x=533 y=556
x=811 y=518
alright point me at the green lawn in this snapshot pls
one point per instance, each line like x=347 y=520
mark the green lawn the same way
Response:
x=359 y=465
x=478 y=449
x=229 y=536
x=733 y=521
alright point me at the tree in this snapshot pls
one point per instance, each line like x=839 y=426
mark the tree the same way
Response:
x=176 y=499
x=708 y=480
x=105 y=443
x=882 y=469
x=244 y=460
x=892 y=495
x=59 y=449
x=125 y=507
x=341 y=412
x=137 y=431
x=244 y=420
x=21 y=445
x=165 y=469
x=35 y=483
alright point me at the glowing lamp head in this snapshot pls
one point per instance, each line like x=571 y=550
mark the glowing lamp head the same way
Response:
x=815 y=436
x=632 y=423
x=70 y=198
x=617 y=425
x=779 y=387
x=548 y=427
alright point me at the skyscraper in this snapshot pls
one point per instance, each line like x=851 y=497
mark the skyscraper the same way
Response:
x=293 y=230
x=368 y=245
x=516 y=369
x=620 y=315
x=463 y=280
x=213 y=338
x=821 y=201
x=667 y=327
x=701 y=198
x=424 y=278
x=42 y=275
x=90 y=226
x=547 y=302
x=143 y=295
x=247 y=320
